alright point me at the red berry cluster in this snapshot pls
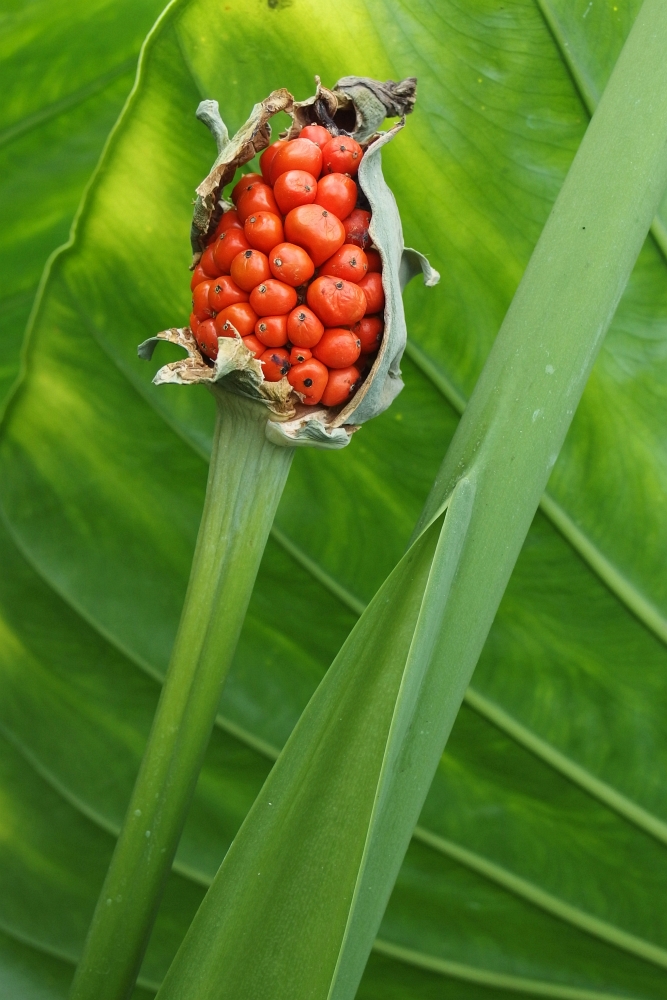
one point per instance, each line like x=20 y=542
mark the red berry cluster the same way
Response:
x=292 y=269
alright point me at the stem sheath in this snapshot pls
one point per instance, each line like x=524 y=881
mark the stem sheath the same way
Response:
x=246 y=479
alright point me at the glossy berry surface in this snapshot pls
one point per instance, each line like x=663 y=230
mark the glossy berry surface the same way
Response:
x=225 y=292
x=266 y=159
x=291 y=264
x=304 y=329
x=255 y=346
x=294 y=188
x=272 y=331
x=199 y=275
x=337 y=193
x=240 y=316
x=207 y=339
x=208 y=263
x=371 y=286
x=273 y=298
x=349 y=263
x=228 y=220
x=243 y=185
x=341 y=155
x=226 y=247
x=341 y=385
x=299 y=154
x=200 y=301
x=338 y=348
x=374 y=261
x=264 y=231
x=258 y=199
x=316 y=133
x=310 y=378
x=275 y=364
x=319 y=232
x=369 y=332
x=250 y=268
x=356 y=228
x=335 y=301
x=299 y=354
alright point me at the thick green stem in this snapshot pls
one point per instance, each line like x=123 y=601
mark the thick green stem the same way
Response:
x=246 y=479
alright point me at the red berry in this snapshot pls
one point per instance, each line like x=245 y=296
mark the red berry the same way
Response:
x=264 y=231
x=194 y=323
x=266 y=159
x=341 y=155
x=304 y=329
x=338 y=348
x=337 y=193
x=249 y=268
x=349 y=262
x=298 y=154
x=258 y=199
x=371 y=286
x=275 y=364
x=254 y=345
x=374 y=261
x=272 y=331
x=199 y=275
x=208 y=264
x=244 y=184
x=335 y=301
x=200 y=303
x=299 y=354
x=356 y=228
x=341 y=385
x=273 y=298
x=225 y=292
x=310 y=379
x=207 y=339
x=294 y=188
x=369 y=331
x=316 y=230
x=316 y=133
x=291 y=264
x=240 y=316
x=228 y=220
x=226 y=247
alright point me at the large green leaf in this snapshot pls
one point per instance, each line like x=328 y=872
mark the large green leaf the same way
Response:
x=538 y=865
x=66 y=70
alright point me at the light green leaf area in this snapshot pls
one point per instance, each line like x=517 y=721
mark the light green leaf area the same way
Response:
x=66 y=70
x=538 y=867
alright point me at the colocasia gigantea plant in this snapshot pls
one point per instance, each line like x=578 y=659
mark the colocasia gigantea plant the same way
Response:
x=298 y=330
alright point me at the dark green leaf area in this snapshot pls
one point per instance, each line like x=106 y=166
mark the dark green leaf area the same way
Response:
x=66 y=70
x=535 y=864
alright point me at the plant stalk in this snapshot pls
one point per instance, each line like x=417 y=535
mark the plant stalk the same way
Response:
x=246 y=478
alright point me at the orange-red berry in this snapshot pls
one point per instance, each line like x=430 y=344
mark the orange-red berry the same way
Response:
x=208 y=264
x=258 y=199
x=338 y=348
x=298 y=154
x=335 y=301
x=299 y=354
x=341 y=155
x=200 y=302
x=291 y=264
x=226 y=247
x=225 y=292
x=266 y=159
x=316 y=133
x=249 y=268
x=273 y=298
x=349 y=262
x=374 y=261
x=310 y=379
x=341 y=385
x=337 y=193
x=244 y=184
x=294 y=188
x=264 y=231
x=194 y=323
x=356 y=228
x=199 y=275
x=304 y=329
x=255 y=346
x=272 y=331
x=228 y=220
x=371 y=286
x=319 y=232
x=275 y=364
x=240 y=317
x=207 y=339
x=369 y=331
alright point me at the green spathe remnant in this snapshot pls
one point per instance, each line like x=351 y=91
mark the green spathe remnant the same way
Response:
x=289 y=422
x=258 y=426
x=295 y=906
